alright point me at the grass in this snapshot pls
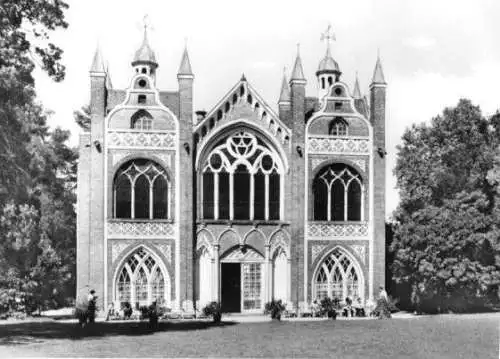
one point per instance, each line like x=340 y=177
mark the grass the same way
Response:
x=444 y=336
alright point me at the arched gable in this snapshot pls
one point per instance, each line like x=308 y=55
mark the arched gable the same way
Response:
x=213 y=138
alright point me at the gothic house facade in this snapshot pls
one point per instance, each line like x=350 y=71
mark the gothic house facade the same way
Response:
x=240 y=205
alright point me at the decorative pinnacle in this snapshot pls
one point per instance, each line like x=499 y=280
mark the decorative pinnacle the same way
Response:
x=378 y=72
x=297 y=72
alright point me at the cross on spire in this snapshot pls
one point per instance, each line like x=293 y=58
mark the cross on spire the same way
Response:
x=328 y=36
x=146 y=23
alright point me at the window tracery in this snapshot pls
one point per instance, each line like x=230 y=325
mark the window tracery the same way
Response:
x=141 y=280
x=141 y=190
x=338 y=194
x=337 y=277
x=142 y=120
x=338 y=127
x=242 y=180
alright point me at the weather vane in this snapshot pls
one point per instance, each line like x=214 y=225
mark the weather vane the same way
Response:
x=328 y=35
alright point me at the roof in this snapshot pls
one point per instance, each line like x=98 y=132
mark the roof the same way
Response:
x=185 y=67
x=97 y=62
x=285 y=91
x=357 y=92
x=298 y=72
x=145 y=53
x=328 y=63
x=378 y=73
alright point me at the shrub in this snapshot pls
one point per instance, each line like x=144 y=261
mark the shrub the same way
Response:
x=214 y=310
x=275 y=308
x=384 y=308
x=329 y=307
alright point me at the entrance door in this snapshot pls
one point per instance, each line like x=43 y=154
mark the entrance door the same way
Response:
x=230 y=287
x=252 y=287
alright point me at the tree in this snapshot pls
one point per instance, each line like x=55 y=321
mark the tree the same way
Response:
x=37 y=169
x=445 y=227
x=24 y=43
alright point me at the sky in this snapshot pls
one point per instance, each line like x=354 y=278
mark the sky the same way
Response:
x=433 y=52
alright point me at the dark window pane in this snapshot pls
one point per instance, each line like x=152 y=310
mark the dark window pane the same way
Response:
x=224 y=195
x=208 y=195
x=354 y=202
x=123 y=197
x=160 y=198
x=241 y=193
x=274 y=196
x=320 y=191
x=259 y=196
x=337 y=201
x=142 y=197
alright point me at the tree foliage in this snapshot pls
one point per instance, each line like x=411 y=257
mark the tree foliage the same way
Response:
x=37 y=168
x=445 y=236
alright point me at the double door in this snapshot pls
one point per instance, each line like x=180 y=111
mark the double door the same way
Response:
x=241 y=287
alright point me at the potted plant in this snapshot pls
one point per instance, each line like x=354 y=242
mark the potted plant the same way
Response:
x=214 y=310
x=329 y=307
x=275 y=308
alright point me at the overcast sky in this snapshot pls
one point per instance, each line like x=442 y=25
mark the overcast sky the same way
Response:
x=433 y=52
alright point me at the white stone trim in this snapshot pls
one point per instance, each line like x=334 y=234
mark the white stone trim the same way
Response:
x=336 y=231
x=138 y=229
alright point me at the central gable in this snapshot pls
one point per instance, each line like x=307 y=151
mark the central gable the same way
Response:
x=243 y=102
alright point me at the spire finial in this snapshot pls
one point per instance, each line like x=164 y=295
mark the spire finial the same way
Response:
x=97 y=61
x=378 y=73
x=328 y=36
x=185 y=67
x=297 y=72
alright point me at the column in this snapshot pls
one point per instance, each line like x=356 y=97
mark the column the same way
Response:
x=132 y=201
x=151 y=200
x=346 y=190
x=268 y=291
x=216 y=276
x=216 y=195
x=252 y=195
x=231 y=195
x=266 y=198
x=289 y=281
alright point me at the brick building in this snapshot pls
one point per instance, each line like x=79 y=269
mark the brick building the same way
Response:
x=241 y=204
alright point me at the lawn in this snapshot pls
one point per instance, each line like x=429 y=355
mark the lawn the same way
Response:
x=445 y=336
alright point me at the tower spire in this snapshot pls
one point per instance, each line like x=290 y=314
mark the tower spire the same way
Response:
x=378 y=72
x=298 y=72
x=98 y=62
x=357 y=92
x=285 y=90
x=185 y=66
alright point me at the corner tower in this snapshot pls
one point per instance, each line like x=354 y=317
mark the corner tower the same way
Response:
x=378 y=88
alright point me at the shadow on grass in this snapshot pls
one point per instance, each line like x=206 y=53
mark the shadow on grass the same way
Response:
x=29 y=333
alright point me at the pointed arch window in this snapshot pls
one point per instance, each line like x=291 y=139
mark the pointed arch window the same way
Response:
x=338 y=127
x=242 y=180
x=337 y=277
x=142 y=281
x=338 y=194
x=141 y=190
x=141 y=120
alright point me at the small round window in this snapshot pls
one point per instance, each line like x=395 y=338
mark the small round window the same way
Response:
x=142 y=83
x=338 y=91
